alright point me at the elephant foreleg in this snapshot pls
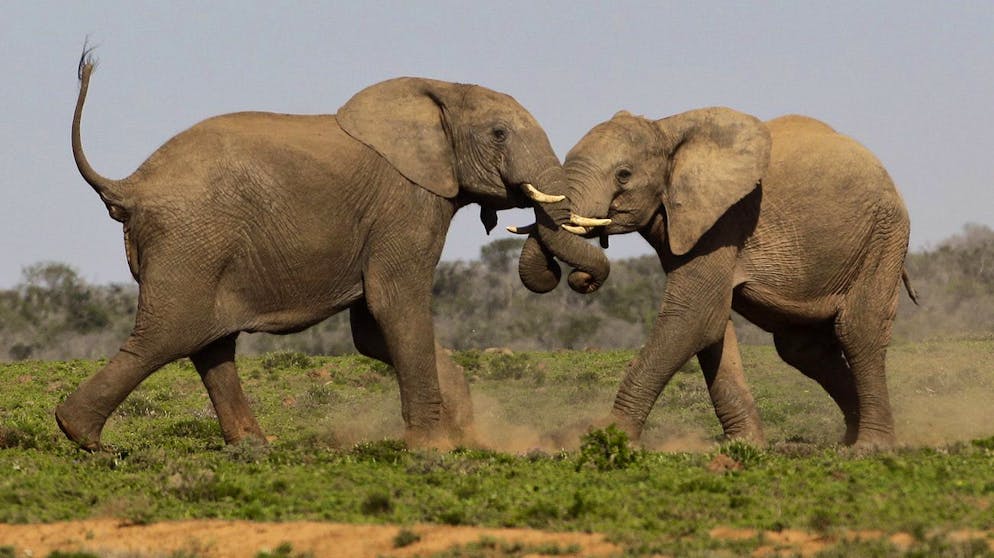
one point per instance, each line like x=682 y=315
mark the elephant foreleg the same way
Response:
x=216 y=365
x=693 y=315
x=457 y=406
x=674 y=339
x=733 y=403
x=400 y=314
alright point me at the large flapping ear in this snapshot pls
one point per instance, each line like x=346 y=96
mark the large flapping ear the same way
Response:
x=403 y=120
x=719 y=156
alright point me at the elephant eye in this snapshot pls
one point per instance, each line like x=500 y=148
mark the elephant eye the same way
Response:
x=499 y=134
x=623 y=176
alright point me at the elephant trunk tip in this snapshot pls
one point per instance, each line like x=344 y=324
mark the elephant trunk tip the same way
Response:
x=583 y=282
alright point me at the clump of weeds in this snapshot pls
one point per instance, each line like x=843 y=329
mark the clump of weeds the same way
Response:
x=405 y=537
x=607 y=449
x=281 y=360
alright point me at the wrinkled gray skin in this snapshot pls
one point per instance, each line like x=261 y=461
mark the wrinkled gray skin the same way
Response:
x=273 y=222
x=813 y=254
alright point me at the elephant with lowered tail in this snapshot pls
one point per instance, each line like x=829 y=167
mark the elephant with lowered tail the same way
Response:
x=794 y=226
x=272 y=222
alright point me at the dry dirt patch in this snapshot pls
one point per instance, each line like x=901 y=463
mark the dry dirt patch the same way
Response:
x=220 y=538
x=793 y=542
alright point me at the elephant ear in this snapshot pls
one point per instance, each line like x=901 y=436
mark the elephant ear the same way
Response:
x=719 y=157
x=403 y=120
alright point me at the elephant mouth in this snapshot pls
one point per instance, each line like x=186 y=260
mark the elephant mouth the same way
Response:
x=536 y=196
x=525 y=194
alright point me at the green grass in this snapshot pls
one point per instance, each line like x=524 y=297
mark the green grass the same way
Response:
x=335 y=455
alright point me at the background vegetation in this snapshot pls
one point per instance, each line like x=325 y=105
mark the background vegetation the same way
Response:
x=54 y=314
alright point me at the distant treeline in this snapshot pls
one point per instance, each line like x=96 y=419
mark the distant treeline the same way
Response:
x=53 y=314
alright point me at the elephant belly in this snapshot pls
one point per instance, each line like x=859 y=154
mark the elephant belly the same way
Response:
x=295 y=317
x=289 y=294
x=772 y=311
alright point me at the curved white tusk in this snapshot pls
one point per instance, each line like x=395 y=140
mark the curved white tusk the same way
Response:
x=588 y=221
x=540 y=196
x=527 y=229
x=576 y=230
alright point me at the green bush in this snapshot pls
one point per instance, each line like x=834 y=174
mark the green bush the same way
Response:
x=405 y=537
x=607 y=449
x=380 y=451
x=284 y=550
x=470 y=360
x=745 y=453
x=281 y=360
x=513 y=366
x=377 y=502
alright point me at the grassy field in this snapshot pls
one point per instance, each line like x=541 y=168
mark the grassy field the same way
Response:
x=334 y=455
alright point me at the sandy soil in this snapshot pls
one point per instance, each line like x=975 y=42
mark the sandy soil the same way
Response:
x=111 y=538
x=792 y=542
x=218 y=538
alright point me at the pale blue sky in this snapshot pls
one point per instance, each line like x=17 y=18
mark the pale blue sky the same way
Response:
x=914 y=81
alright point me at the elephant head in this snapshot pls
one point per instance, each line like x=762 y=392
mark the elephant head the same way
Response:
x=471 y=144
x=689 y=169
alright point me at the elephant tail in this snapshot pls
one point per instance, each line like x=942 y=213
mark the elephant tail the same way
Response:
x=110 y=191
x=907 y=286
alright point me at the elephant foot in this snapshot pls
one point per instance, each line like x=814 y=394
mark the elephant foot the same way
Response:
x=255 y=436
x=751 y=436
x=242 y=429
x=873 y=443
x=632 y=428
x=427 y=438
x=82 y=428
x=852 y=433
x=458 y=425
x=464 y=436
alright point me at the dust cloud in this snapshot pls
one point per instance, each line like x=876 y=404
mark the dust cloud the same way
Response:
x=936 y=419
x=937 y=399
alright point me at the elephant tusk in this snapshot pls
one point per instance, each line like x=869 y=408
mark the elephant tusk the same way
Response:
x=540 y=196
x=527 y=229
x=588 y=221
x=576 y=230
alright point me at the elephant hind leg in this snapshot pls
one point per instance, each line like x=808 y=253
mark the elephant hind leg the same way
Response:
x=730 y=395
x=216 y=365
x=864 y=332
x=366 y=333
x=816 y=352
x=82 y=416
x=163 y=333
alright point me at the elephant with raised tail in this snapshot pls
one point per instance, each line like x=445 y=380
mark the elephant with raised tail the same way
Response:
x=272 y=222
x=794 y=226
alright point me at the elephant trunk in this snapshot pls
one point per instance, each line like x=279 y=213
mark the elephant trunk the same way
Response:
x=538 y=269
x=537 y=265
x=591 y=266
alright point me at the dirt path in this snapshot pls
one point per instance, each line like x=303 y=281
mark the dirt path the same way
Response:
x=111 y=538
x=793 y=542
x=219 y=538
